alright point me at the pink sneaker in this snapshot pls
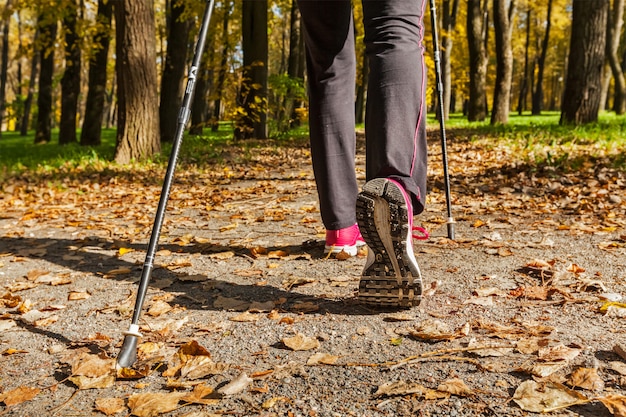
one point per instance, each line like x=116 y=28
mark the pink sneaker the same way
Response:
x=348 y=239
x=391 y=276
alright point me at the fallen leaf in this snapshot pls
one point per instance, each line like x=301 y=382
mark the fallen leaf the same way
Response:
x=153 y=404
x=110 y=406
x=586 y=378
x=615 y=403
x=323 y=358
x=78 y=295
x=455 y=386
x=18 y=395
x=119 y=271
x=236 y=386
x=391 y=389
x=301 y=342
x=545 y=397
x=273 y=401
x=159 y=308
x=481 y=301
x=199 y=394
x=557 y=353
x=435 y=330
x=244 y=317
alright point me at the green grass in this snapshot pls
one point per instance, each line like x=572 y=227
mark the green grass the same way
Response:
x=534 y=139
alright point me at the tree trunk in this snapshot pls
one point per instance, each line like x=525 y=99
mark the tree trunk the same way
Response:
x=138 y=102
x=521 y=101
x=96 y=93
x=449 y=15
x=537 y=103
x=48 y=32
x=614 y=30
x=200 y=105
x=28 y=102
x=221 y=76
x=477 y=19
x=581 y=99
x=6 y=19
x=294 y=64
x=504 y=57
x=174 y=69
x=70 y=83
x=253 y=91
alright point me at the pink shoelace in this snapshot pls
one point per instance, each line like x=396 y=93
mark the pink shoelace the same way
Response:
x=423 y=233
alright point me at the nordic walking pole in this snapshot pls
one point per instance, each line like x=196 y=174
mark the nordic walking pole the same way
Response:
x=444 y=153
x=128 y=352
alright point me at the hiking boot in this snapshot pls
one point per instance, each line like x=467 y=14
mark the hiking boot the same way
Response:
x=348 y=239
x=391 y=276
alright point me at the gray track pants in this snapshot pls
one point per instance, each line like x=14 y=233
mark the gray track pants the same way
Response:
x=395 y=121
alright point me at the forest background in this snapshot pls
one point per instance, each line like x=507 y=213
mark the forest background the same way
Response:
x=81 y=65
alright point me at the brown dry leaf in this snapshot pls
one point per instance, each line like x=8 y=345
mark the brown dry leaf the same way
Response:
x=615 y=403
x=557 y=353
x=199 y=394
x=153 y=404
x=85 y=382
x=618 y=367
x=9 y=300
x=536 y=292
x=159 y=308
x=538 y=264
x=228 y=227
x=110 y=406
x=46 y=321
x=481 y=301
x=119 y=271
x=18 y=395
x=92 y=365
x=488 y=349
x=36 y=273
x=301 y=342
x=543 y=369
x=273 y=401
x=455 y=386
x=78 y=295
x=277 y=254
x=54 y=280
x=575 y=269
x=586 y=378
x=505 y=252
x=545 y=397
x=200 y=367
x=222 y=256
x=435 y=330
x=305 y=307
x=245 y=317
x=20 y=286
x=323 y=358
x=390 y=389
x=227 y=303
x=342 y=256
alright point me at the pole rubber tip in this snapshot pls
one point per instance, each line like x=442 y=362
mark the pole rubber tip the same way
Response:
x=128 y=352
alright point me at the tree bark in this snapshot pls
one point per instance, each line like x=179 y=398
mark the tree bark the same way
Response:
x=253 y=91
x=537 y=102
x=48 y=32
x=138 y=134
x=614 y=29
x=174 y=69
x=449 y=15
x=477 y=19
x=221 y=76
x=521 y=101
x=70 y=83
x=581 y=99
x=28 y=102
x=6 y=19
x=96 y=94
x=504 y=56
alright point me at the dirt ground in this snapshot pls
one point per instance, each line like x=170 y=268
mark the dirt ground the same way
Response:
x=524 y=311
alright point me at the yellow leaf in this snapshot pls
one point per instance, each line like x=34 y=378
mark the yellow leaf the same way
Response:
x=110 y=406
x=124 y=251
x=153 y=404
x=586 y=378
x=18 y=395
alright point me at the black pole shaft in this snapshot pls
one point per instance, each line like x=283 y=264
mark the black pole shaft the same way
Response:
x=442 y=129
x=183 y=118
